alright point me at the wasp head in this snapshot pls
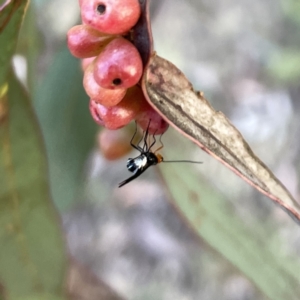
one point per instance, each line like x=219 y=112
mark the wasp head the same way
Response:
x=151 y=159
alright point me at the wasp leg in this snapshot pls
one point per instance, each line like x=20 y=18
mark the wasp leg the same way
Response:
x=138 y=144
x=154 y=141
x=145 y=147
x=137 y=147
x=162 y=145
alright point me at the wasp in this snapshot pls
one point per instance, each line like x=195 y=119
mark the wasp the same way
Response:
x=147 y=157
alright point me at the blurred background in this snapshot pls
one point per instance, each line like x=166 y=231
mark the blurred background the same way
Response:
x=244 y=55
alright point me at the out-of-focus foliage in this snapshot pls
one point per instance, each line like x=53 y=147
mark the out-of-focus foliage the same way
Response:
x=68 y=129
x=11 y=15
x=284 y=66
x=32 y=259
x=284 y=62
x=30 y=236
x=292 y=10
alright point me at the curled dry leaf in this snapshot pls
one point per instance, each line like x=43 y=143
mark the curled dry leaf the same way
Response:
x=167 y=89
x=141 y=34
x=172 y=95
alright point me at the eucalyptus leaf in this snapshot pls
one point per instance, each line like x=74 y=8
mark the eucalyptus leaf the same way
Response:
x=32 y=257
x=30 y=45
x=39 y=296
x=216 y=222
x=68 y=129
x=11 y=17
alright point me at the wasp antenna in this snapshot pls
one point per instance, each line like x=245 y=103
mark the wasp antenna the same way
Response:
x=183 y=161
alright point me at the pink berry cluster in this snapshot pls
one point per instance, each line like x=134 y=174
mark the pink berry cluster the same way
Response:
x=112 y=64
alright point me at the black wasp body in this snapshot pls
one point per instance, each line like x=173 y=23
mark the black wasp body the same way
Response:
x=142 y=162
x=147 y=158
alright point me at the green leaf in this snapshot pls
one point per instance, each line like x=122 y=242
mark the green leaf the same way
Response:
x=11 y=16
x=292 y=9
x=30 y=45
x=284 y=65
x=39 y=297
x=216 y=222
x=32 y=258
x=2 y=291
x=67 y=126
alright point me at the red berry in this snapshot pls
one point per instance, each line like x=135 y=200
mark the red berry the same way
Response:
x=157 y=124
x=94 y=112
x=110 y=16
x=97 y=93
x=135 y=97
x=85 y=62
x=85 y=41
x=119 y=65
x=114 y=144
x=116 y=116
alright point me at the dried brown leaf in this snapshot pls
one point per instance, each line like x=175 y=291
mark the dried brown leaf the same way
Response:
x=172 y=95
x=141 y=34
